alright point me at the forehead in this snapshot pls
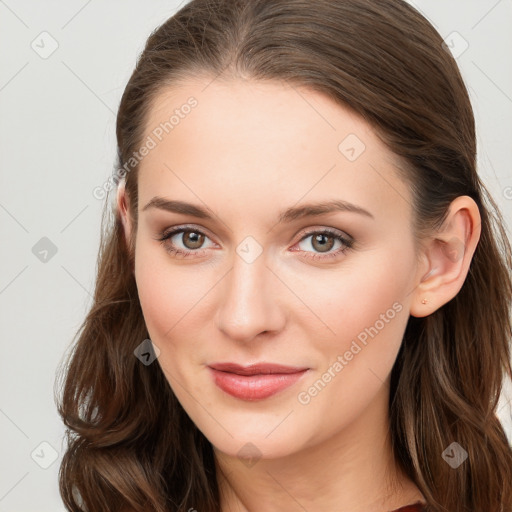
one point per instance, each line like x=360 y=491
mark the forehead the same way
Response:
x=236 y=143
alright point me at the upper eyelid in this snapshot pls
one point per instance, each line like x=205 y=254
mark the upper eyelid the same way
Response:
x=176 y=230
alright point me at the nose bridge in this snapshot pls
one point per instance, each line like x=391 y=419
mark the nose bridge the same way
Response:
x=248 y=303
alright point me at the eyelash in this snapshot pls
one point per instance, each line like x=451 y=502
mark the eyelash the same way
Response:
x=164 y=236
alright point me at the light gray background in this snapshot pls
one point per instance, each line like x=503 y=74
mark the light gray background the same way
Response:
x=57 y=143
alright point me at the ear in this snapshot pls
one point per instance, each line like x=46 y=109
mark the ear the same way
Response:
x=446 y=258
x=124 y=211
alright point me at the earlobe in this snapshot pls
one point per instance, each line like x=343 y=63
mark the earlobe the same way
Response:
x=448 y=255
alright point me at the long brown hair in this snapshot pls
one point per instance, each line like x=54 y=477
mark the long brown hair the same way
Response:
x=130 y=443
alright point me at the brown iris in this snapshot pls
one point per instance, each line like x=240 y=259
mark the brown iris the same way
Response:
x=193 y=238
x=320 y=239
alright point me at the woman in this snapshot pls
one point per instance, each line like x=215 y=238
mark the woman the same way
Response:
x=303 y=297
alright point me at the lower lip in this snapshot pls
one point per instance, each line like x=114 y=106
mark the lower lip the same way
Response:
x=254 y=387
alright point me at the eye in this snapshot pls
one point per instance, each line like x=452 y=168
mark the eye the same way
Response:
x=191 y=241
x=323 y=241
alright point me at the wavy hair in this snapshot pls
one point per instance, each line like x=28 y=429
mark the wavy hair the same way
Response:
x=130 y=444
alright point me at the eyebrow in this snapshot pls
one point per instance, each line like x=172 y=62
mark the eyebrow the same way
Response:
x=288 y=215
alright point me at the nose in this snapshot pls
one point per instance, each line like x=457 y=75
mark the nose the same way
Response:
x=249 y=303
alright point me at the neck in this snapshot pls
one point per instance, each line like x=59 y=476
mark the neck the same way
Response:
x=353 y=470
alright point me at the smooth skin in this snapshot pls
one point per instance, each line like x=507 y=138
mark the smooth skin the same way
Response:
x=246 y=152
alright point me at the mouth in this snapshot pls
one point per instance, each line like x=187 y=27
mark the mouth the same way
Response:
x=256 y=381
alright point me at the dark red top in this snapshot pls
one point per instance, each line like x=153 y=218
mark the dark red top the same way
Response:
x=416 y=507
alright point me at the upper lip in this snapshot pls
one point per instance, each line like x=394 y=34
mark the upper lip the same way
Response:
x=256 y=368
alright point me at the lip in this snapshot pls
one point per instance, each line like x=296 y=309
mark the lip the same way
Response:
x=256 y=381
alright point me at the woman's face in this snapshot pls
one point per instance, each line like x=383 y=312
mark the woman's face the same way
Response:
x=254 y=174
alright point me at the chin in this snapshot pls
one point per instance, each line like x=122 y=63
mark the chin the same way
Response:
x=255 y=436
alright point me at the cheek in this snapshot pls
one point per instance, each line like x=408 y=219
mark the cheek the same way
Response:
x=368 y=314
x=369 y=293
x=374 y=304
x=171 y=298
x=169 y=294
x=167 y=301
